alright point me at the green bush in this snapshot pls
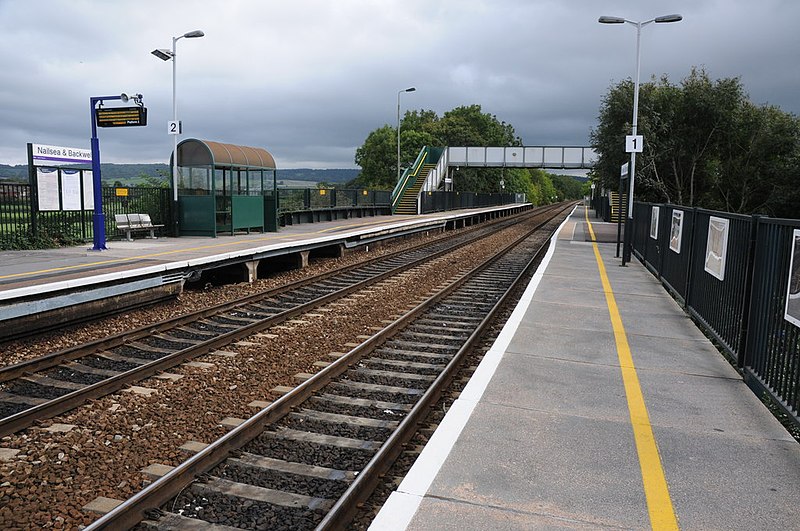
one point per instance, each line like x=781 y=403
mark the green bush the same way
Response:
x=25 y=240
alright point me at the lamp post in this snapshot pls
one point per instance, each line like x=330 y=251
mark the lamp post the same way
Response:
x=174 y=127
x=409 y=89
x=626 y=254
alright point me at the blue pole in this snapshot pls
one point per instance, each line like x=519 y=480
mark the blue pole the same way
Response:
x=99 y=218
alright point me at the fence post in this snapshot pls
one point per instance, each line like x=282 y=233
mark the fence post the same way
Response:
x=741 y=357
x=33 y=192
x=664 y=226
x=690 y=261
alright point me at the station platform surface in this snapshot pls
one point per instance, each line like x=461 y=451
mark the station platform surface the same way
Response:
x=601 y=406
x=35 y=273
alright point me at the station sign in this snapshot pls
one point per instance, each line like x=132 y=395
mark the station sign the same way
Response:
x=46 y=155
x=121 y=116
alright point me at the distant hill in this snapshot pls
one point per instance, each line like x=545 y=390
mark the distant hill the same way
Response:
x=317 y=176
x=131 y=174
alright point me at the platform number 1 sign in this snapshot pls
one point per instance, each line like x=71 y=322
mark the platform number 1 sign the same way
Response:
x=634 y=143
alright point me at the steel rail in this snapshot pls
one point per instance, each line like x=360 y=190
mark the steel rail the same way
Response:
x=53 y=359
x=136 y=509
x=369 y=477
x=66 y=402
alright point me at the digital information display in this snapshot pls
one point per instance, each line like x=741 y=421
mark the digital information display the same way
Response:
x=121 y=116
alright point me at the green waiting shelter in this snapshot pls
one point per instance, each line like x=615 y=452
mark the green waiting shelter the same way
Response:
x=225 y=188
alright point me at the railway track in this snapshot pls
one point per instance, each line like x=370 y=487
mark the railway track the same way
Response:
x=60 y=381
x=307 y=460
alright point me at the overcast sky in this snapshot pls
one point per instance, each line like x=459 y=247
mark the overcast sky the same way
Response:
x=309 y=79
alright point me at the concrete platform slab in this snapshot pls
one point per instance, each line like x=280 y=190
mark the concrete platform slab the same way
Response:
x=548 y=464
x=558 y=386
x=724 y=481
x=709 y=405
x=585 y=345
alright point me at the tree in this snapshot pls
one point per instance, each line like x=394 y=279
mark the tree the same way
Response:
x=468 y=126
x=544 y=187
x=757 y=168
x=160 y=180
x=462 y=126
x=705 y=144
x=567 y=187
x=378 y=159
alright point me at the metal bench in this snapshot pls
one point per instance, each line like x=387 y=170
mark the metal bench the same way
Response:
x=129 y=223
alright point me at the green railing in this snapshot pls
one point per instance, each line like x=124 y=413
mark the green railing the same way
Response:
x=409 y=176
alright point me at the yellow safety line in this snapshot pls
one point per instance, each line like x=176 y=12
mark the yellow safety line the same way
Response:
x=144 y=256
x=175 y=251
x=656 y=491
x=352 y=227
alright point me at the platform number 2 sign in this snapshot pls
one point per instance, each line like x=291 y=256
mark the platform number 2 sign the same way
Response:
x=634 y=143
x=173 y=127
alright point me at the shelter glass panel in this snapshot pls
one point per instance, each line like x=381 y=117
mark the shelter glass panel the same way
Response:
x=219 y=181
x=194 y=180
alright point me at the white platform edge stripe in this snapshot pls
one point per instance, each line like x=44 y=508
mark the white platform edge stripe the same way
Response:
x=402 y=504
x=122 y=275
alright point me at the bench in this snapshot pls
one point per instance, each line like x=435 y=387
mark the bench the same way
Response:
x=129 y=223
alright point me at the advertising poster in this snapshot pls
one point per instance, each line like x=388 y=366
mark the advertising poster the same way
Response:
x=793 y=289
x=716 y=247
x=47 y=188
x=676 y=231
x=654 y=212
x=88 y=190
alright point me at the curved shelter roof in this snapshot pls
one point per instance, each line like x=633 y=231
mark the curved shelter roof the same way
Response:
x=194 y=152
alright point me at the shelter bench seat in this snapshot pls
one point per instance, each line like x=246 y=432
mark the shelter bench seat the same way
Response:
x=129 y=223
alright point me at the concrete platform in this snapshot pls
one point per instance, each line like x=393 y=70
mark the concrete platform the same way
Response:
x=79 y=264
x=45 y=288
x=542 y=437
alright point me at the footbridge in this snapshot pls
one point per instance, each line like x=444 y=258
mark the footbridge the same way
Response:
x=432 y=168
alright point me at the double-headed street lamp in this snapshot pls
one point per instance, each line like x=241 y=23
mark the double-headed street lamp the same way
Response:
x=409 y=89
x=626 y=254
x=174 y=127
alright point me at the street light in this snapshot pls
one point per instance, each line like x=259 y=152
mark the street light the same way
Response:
x=626 y=255
x=174 y=127
x=409 y=89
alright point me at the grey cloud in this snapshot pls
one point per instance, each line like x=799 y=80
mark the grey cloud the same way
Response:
x=309 y=80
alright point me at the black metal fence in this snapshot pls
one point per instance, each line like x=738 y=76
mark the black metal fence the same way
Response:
x=19 y=219
x=442 y=201
x=601 y=206
x=732 y=274
x=297 y=199
x=15 y=208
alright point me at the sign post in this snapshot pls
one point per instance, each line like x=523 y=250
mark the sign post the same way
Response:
x=111 y=117
x=633 y=144
x=624 y=175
